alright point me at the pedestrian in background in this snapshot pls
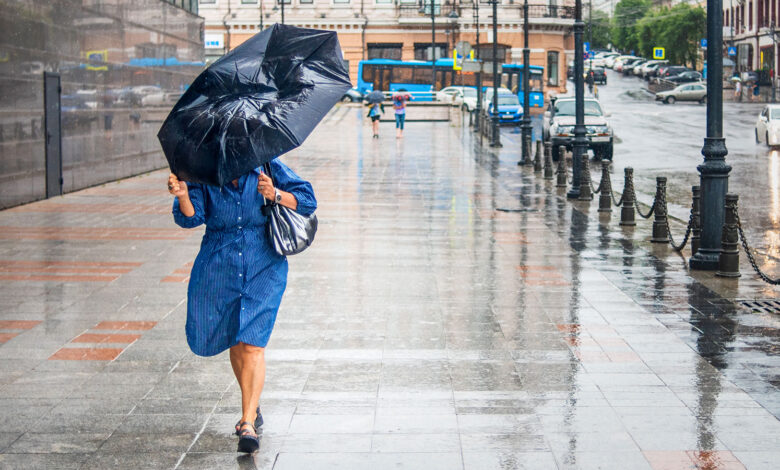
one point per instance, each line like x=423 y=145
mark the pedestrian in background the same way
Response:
x=756 y=91
x=375 y=112
x=399 y=107
x=238 y=279
x=738 y=91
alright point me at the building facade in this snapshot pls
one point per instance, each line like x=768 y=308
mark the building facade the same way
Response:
x=750 y=26
x=84 y=87
x=402 y=29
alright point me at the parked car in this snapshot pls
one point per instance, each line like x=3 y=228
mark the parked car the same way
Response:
x=650 y=67
x=768 y=125
x=509 y=108
x=137 y=93
x=621 y=61
x=161 y=98
x=559 y=127
x=686 y=77
x=612 y=61
x=628 y=65
x=636 y=69
x=670 y=71
x=467 y=99
x=686 y=92
x=352 y=95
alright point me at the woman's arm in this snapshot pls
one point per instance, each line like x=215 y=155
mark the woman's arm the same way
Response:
x=188 y=206
x=266 y=188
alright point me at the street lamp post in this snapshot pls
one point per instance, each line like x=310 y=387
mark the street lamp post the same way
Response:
x=433 y=45
x=496 y=140
x=580 y=146
x=479 y=73
x=714 y=172
x=526 y=124
x=283 y=10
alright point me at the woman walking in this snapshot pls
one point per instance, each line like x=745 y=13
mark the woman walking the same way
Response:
x=238 y=279
x=399 y=106
x=375 y=112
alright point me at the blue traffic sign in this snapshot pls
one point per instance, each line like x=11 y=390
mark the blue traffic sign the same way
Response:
x=587 y=47
x=732 y=51
x=704 y=43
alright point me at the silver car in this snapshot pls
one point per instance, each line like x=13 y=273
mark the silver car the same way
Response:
x=686 y=92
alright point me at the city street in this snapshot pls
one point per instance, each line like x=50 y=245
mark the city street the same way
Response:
x=454 y=312
x=666 y=140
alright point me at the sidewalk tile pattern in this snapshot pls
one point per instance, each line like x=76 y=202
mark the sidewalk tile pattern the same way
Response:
x=424 y=329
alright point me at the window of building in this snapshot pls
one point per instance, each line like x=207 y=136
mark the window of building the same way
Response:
x=384 y=50
x=305 y=2
x=422 y=51
x=341 y=1
x=248 y=1
x=208 y=1
x=486 y=52
x=750 y=18
x=384 y=1
x=552 y=68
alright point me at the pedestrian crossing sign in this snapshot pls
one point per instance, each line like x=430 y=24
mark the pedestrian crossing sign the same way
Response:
x=659 y=53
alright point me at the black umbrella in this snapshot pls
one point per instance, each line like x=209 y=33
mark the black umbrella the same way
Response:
x=375 y=96
x=255 y=103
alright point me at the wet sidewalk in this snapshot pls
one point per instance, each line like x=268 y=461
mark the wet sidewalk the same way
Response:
x=454 y=313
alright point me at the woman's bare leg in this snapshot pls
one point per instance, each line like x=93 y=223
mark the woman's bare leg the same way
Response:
x=250 y=373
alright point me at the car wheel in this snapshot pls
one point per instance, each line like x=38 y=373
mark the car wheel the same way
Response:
x=703 y=100
x=346 y=99
x=670 y=100
x=555 y=154
x=755 y=131
x=766 y=137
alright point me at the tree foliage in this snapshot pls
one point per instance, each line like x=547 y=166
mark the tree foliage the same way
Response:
x=600 y=30
x=677 y=29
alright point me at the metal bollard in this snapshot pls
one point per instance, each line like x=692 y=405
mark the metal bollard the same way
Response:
x=538 y=157
x=728 y=262
x=585 y=194
x=605 y=195
x=563 y=171
x=660 y=224
x=548 y=163
x=695 y=220
x=627 y=215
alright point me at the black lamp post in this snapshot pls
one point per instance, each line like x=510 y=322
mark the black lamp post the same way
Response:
x=433 y=43
x=496 y=140
x=580 y=146
x=714 y=172
x=479 y=73
x=526 y=124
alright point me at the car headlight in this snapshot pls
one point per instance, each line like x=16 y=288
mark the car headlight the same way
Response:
x=565 y=130
x=599 y=130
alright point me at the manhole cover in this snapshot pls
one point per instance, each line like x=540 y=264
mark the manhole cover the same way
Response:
x=761 y=306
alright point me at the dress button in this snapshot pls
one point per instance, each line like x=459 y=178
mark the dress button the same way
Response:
x=240 y=254
x=239 y=227
x=239 y=203
x=240 y=275
x=239 y=218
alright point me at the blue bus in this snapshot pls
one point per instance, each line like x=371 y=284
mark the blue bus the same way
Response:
x=416 y=76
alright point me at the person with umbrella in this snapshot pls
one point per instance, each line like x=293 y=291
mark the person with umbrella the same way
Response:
x=253 y=104
x=375 y=110
x=399 y=107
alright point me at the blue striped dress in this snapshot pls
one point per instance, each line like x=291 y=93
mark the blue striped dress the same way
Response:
x=237 y=279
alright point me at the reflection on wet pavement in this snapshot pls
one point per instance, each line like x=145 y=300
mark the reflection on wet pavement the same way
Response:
x=425 y=329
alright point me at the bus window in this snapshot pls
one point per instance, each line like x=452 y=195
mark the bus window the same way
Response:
x=422 y=75
x=536 y=81
x=368 y=73
x=403 y=74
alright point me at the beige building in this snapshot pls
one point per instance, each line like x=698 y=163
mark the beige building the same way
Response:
x=750 y=27
x=401 y=29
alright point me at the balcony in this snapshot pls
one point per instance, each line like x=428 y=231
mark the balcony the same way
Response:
x=508 y=9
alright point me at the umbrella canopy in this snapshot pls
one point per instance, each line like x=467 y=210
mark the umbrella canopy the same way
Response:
x=375 y=96
x=255 y=103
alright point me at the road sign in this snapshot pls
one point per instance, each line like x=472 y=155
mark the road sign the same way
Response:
x=732 y=51
x=464 y=47
x=703 y=43
x=586 y=45
x=471 y=65
x=659 y=53
x=457 y=58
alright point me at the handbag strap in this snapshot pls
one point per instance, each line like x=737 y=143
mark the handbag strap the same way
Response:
x=267 y=205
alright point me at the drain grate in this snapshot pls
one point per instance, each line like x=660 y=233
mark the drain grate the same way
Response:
x=761 y=306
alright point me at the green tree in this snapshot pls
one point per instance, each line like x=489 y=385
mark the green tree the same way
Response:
x=600 y=30
x=624 y=24
x=679 y=32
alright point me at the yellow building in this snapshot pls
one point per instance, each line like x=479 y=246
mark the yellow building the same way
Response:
x=402 y=29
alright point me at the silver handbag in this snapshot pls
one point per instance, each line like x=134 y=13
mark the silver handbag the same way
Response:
x=288 y=231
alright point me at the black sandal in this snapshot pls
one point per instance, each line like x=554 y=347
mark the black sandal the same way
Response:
x=247 y=442
x=258 y=422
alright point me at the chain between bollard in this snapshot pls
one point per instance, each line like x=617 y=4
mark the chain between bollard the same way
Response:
x=748 y=252
x=688 y=229
x=638 y=211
